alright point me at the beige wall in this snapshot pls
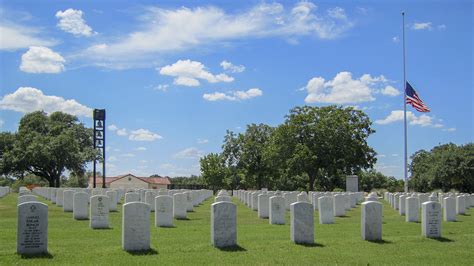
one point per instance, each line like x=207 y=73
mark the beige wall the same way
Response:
x=156 y=186
x=129 y=182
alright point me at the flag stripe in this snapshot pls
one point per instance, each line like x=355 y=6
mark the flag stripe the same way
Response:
x=414 y=100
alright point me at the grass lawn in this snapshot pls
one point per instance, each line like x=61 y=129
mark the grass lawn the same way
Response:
x=73 y=242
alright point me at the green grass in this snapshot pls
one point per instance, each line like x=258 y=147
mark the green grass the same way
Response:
x=73 y=242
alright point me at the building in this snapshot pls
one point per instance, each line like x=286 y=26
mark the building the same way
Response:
x=131 y=181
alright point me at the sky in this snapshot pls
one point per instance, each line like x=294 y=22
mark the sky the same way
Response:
x=173 y=76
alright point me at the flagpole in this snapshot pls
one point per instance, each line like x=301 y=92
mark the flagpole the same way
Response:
x=405 y=107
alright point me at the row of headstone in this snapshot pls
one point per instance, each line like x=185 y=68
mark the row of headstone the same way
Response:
x=408 y=204
x=32 y=235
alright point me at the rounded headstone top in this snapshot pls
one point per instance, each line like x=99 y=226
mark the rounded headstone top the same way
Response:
x=303 y=196
x=222 y=192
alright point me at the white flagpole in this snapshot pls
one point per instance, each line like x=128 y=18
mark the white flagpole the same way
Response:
x=405 y=165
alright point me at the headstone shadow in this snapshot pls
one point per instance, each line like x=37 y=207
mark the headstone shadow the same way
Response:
x=310 y=245
x=380 y=242
x=37 y=256
x=235 y=248
x=150 y=251
x=443 y=239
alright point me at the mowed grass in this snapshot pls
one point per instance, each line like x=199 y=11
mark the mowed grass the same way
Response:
x=73 y=242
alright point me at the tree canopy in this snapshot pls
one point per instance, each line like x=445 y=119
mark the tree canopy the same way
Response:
x=445 y=167
x=315 y=146
x=46 y=146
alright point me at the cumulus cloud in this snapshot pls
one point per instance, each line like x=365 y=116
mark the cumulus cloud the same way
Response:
x=39 y=59
x=171 y=30
x=1 y=123
x=228 y=66
x=15 y=36
x=421 y=26
x=117 y=130
x=233 y=96
x=143 y=135
x=189 y=153
x=343 y=89
x=161 y=87
x=422 y=120
x=390 y=91
x=28 y=99
x=451 y=129
x=188 y=73
x=141 y=149
x=70 y=20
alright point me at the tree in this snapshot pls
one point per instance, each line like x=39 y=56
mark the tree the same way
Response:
x=445 y=167
x=213 y=170
x=231 y=158
x=252 y=161
x=46 y=146
x=323 y=143
x=77 y=180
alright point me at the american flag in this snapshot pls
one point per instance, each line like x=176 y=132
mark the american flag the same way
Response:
x=414 y=100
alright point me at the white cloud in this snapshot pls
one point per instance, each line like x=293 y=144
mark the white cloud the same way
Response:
x=202 y=141
x=390 y=91
x=226 y=65
x=122 y=132
x=422 y=26
x=117 y=130
x=173 y=30
x=2 y=123
x=14 y=36
x=189 y=153
x=442 y=27
x=451 y=129
x=233 y=96
x=28 y=99
x=381 y=156
x=70 y=20
x=343 y=89
x=396 y=39
x=112 y=159
x=39 y=59
x=128 y=155
x=143 y=135
x=161 y=87
x=188 y=72
x=141 y=149
x=422 y=120
x=395 y=154
x=112 y=127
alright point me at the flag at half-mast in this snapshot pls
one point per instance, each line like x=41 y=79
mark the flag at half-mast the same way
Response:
x=414 y=100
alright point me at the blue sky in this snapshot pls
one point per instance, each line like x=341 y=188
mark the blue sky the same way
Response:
x=174 y=76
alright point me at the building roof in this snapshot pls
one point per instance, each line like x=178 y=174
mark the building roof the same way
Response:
x=150 y=180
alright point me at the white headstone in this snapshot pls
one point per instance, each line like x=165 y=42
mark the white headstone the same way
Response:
x=132 y=197
x=68 y=200
x=150 y=199
x=179 y=206
x=326 y=210
x=339 y=205
x=263 y=205
x=136 y=226
x=449 y=209
x=302 y=222
x=431 y=219
x=99 y=212
x=32 y=228
x=26 y=198
x=80 y=206
x=277 y=210
x=223 y=224
x=402 y=204
x=164 y=211
x=460 y=205
x=189 y=201
x=59 y=197
x=371 y=220
x=112 y=195
x=302 y=197
x=412 y=210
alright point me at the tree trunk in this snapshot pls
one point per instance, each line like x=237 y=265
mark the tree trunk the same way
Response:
x=51 y=182
x=58 y=181
x=311 y=181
